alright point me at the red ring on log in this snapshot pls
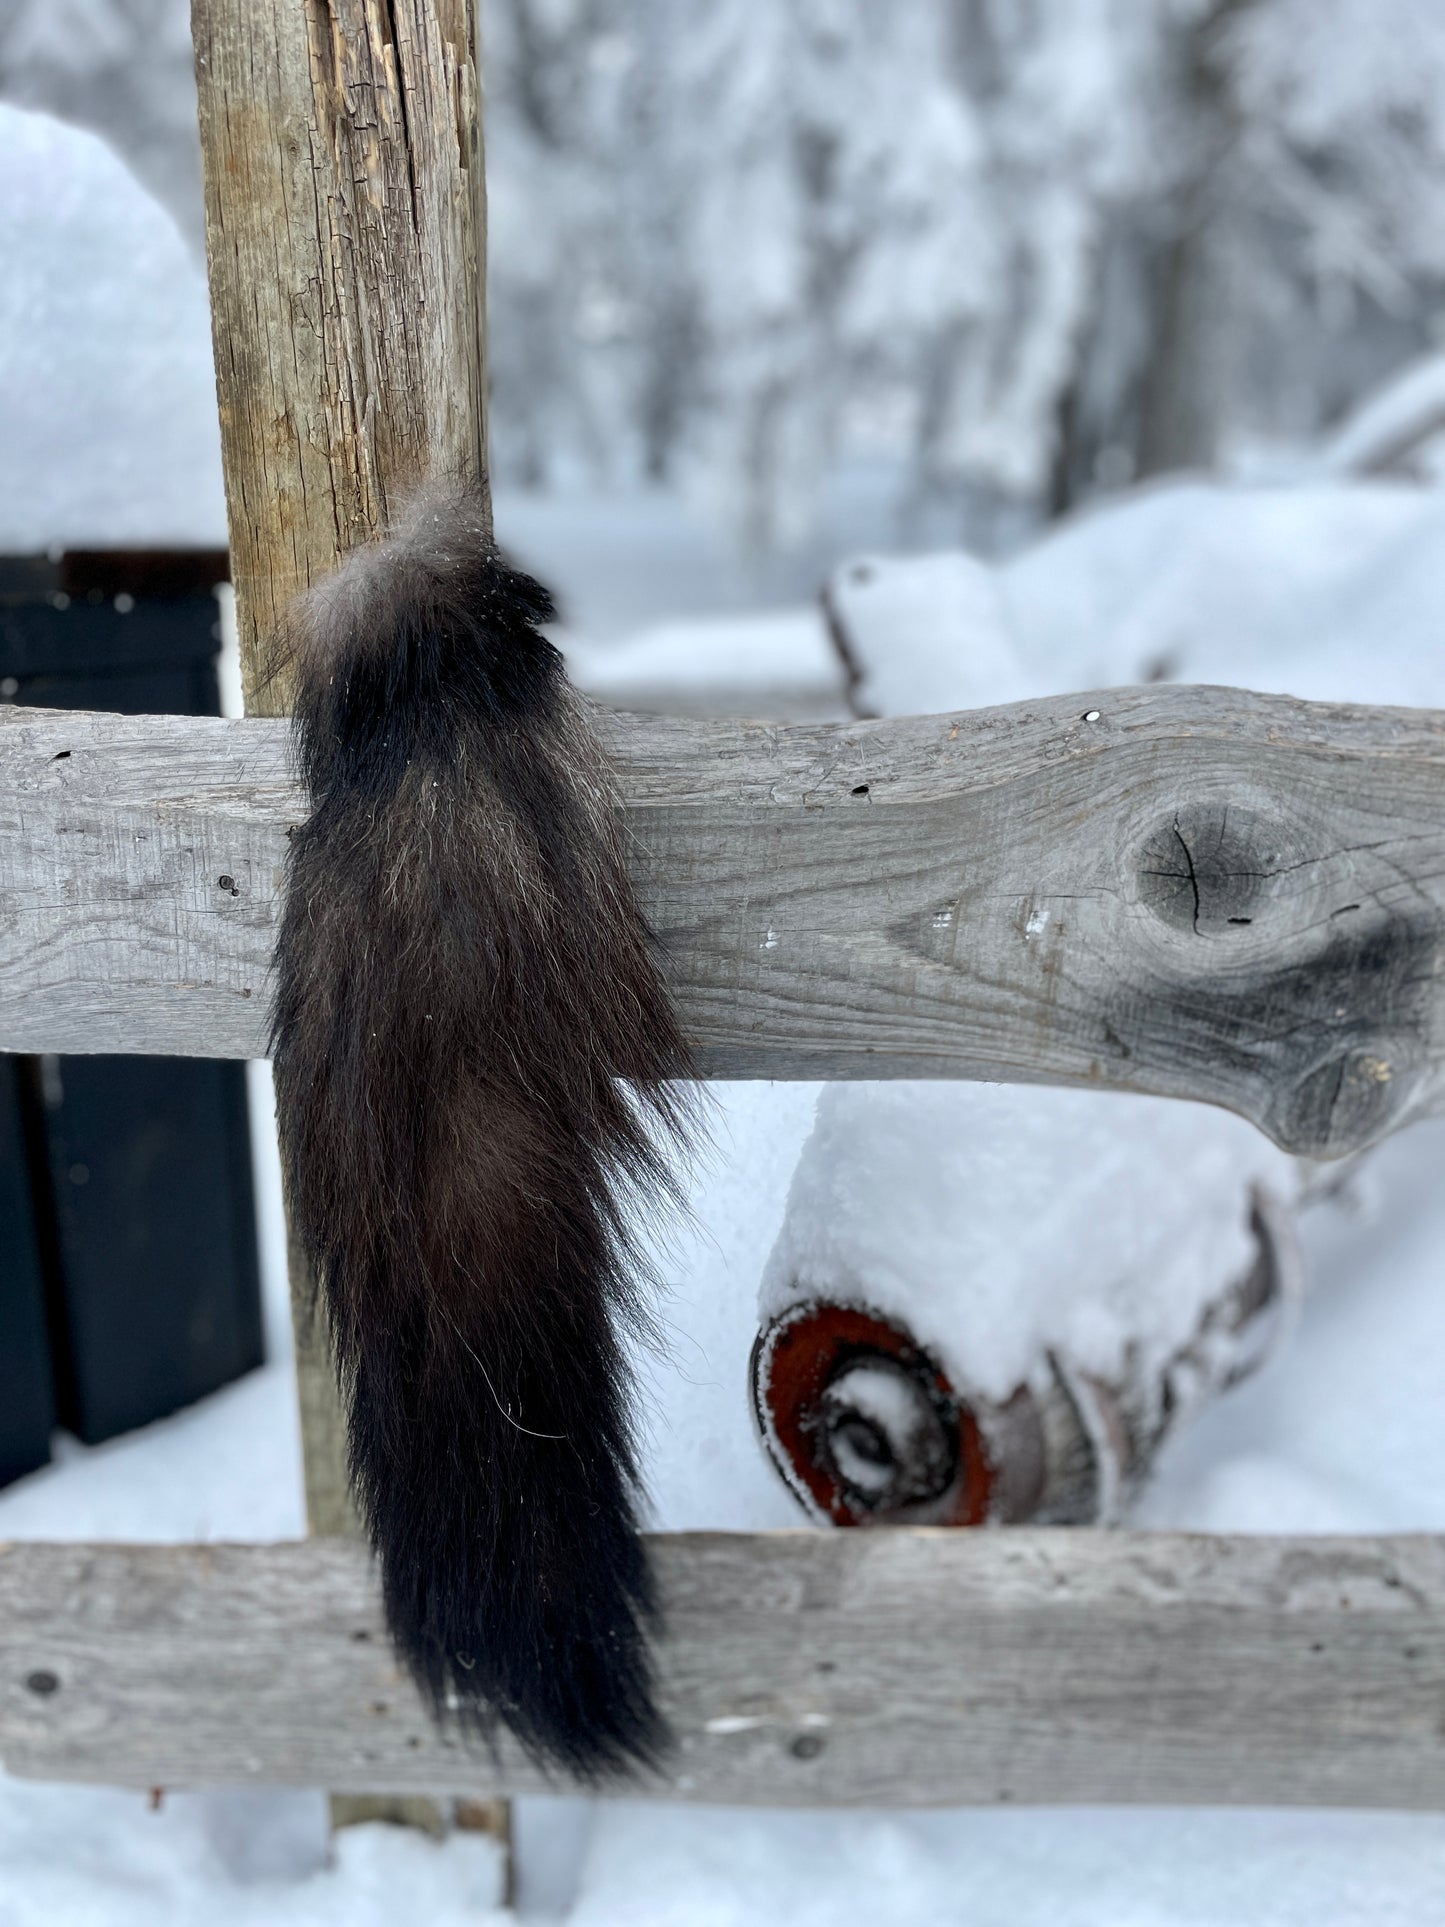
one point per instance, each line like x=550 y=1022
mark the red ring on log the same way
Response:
x=797 y=1357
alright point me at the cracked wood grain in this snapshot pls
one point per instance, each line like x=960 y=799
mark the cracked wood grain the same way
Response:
x=345 y=234
x=1202 y=894
x=893 y=1667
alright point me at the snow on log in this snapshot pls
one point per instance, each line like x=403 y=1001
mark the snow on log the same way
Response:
x=981 y=1308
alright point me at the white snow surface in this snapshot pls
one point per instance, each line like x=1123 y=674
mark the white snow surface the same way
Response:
x=93 y=1857
x=927 y=636
x=715 y=667
x=108 y=426
x=703 y=1867
x=703 y=1466
x=1329 y=592
x=1000 y=1222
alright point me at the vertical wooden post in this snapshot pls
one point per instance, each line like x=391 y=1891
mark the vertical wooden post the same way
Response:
x=346 y=236
x=346 y=242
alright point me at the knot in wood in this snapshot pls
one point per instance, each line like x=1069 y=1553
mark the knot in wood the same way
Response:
x=1211 y=868
x=1346 y=1101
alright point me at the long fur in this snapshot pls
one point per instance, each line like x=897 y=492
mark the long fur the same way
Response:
x=463 y=979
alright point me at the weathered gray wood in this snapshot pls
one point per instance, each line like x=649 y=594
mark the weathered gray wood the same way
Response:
x=345 y=235
x=1196 y=892
x=887 y=1667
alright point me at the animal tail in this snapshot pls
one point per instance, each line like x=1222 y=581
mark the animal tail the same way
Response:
x=476 y=1077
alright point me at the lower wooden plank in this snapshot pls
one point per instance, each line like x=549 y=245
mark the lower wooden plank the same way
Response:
x=888 y=1667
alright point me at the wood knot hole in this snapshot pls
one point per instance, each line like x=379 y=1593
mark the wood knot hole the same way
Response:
x=1209 y=869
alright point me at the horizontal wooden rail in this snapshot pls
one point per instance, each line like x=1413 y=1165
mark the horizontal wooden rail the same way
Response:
x=1195 y=892
x=886 y=1667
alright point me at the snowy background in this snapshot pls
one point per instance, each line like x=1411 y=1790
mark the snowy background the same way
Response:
x=1071 y=344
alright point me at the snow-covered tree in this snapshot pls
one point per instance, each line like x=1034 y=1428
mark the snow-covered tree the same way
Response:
x=1007 y=251
x=1016 y=248
x=807 y=228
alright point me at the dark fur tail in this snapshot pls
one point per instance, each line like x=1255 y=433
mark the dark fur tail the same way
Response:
x=463 y=979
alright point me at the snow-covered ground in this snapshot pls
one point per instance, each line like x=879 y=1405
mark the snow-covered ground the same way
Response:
x=106 y=435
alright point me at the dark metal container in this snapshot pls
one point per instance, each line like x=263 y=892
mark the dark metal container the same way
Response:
x=129 y=1282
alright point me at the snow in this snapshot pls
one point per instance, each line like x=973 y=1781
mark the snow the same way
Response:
x=1001 y=1223
x=107 y=396
x=1326 y=592
x=1395 y=430
x=91 y=1857
x=928 y=637
x=125 y=69
x=702 y=1867
x=703 y=1466
x=717 y=668
x=1343 y=1431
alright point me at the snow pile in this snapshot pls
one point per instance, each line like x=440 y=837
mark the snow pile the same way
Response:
x=702 y=1867
x=1344 y=1431
x=85 y=1857
x=702 y=1465
x=776 y=665
x=1004 y=1222
x=126 y=69
x=925 y=636
x=108 y=422
x=1330 y=593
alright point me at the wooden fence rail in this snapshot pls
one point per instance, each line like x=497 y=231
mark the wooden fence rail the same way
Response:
x=1195 y=892
x=898 y=1667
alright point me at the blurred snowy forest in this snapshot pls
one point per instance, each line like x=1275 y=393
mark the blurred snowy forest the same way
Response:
x=999 y=255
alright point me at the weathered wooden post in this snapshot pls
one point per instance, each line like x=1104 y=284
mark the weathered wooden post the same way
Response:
x=346 y=242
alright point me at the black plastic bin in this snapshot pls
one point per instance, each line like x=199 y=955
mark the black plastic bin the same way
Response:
x=129 y=1283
